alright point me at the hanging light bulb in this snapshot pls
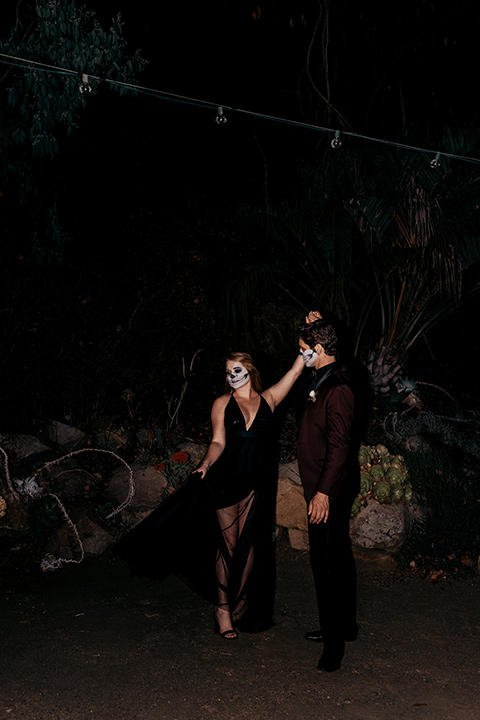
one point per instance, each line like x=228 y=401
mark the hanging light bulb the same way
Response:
x=336 y=142
x=435 y=163
x=220 y=119
x=85 y=88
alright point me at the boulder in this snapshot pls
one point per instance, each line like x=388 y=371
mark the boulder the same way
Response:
x=22 y=448
x=416 y=443
x=380 y=526
x=298 y=539
x=131 y=517
x=63 y=543
x=290 y=471
x=196 y=452
x=416 y=511
x=291 y=506
x=149 y=486
x=68 y=437
x=68 y=479
x=15 y=521
x=109 y=438
x=94 y=537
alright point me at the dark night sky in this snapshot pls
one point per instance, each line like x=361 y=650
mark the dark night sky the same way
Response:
x=392 y=67
x=241 y=52
x=254 y=55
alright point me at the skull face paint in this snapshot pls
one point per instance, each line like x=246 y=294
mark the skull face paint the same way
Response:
x=238 y=376
x=309 y=357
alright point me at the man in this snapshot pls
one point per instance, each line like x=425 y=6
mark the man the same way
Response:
x=329 y=474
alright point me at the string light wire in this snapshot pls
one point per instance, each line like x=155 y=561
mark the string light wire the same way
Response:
x=174 y=97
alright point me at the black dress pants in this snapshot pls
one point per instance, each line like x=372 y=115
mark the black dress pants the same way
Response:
x=334 y=573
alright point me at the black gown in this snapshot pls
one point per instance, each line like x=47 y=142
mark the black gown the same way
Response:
x=183 y=535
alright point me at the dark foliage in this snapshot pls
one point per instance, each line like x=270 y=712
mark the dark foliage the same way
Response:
x=446 y=482
x=45 y=517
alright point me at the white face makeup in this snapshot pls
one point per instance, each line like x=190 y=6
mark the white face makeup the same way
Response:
x=309 y=357
x=238 y=376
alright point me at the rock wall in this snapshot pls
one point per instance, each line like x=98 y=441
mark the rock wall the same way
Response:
x=377 y=526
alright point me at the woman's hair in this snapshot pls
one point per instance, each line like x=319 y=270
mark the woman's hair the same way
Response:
x=247 y=361
x=320 y=332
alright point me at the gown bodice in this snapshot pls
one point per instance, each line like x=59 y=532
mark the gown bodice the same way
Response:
x=248 y=460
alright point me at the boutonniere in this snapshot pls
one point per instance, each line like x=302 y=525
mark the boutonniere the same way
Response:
x=312 y=395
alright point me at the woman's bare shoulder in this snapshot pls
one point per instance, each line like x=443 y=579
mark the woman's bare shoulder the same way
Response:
x=221 y=402
x=218 y=410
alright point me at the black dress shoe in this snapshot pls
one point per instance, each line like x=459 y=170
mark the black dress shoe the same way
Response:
x=332 y=656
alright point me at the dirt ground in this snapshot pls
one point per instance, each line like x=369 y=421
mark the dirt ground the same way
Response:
x=89 y=641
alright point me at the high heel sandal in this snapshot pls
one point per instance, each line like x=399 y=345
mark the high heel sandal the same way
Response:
x=230 y=634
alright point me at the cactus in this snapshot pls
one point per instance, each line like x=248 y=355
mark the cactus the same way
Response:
x=383 y=477
x=381 y=491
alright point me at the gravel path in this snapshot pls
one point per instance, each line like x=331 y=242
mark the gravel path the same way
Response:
x=89 y=641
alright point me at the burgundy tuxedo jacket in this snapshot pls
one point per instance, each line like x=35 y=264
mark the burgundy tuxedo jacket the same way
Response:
x=324 y=437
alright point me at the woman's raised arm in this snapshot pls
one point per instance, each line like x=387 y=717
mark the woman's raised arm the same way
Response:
x=275 y=394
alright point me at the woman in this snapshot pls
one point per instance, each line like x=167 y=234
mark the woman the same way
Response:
x=216 y=531
x=240 y=472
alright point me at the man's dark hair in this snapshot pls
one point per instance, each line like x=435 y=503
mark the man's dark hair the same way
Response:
x=321 y=332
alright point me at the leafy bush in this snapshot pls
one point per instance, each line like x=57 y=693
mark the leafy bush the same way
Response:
x=43 y=104
x=446 y=484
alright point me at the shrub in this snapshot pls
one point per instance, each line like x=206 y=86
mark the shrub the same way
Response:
x=447 y=485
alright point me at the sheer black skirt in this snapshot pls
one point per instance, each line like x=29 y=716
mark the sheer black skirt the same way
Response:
x=225 y=553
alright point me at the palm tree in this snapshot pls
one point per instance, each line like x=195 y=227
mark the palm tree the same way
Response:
x=382 y=239
x=421 y=230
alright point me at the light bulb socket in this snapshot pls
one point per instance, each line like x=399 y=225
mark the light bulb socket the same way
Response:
x=336 y=142
x=220 y=119
x=85 y=88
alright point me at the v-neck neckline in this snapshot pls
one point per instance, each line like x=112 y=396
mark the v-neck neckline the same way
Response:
x=243 y=416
